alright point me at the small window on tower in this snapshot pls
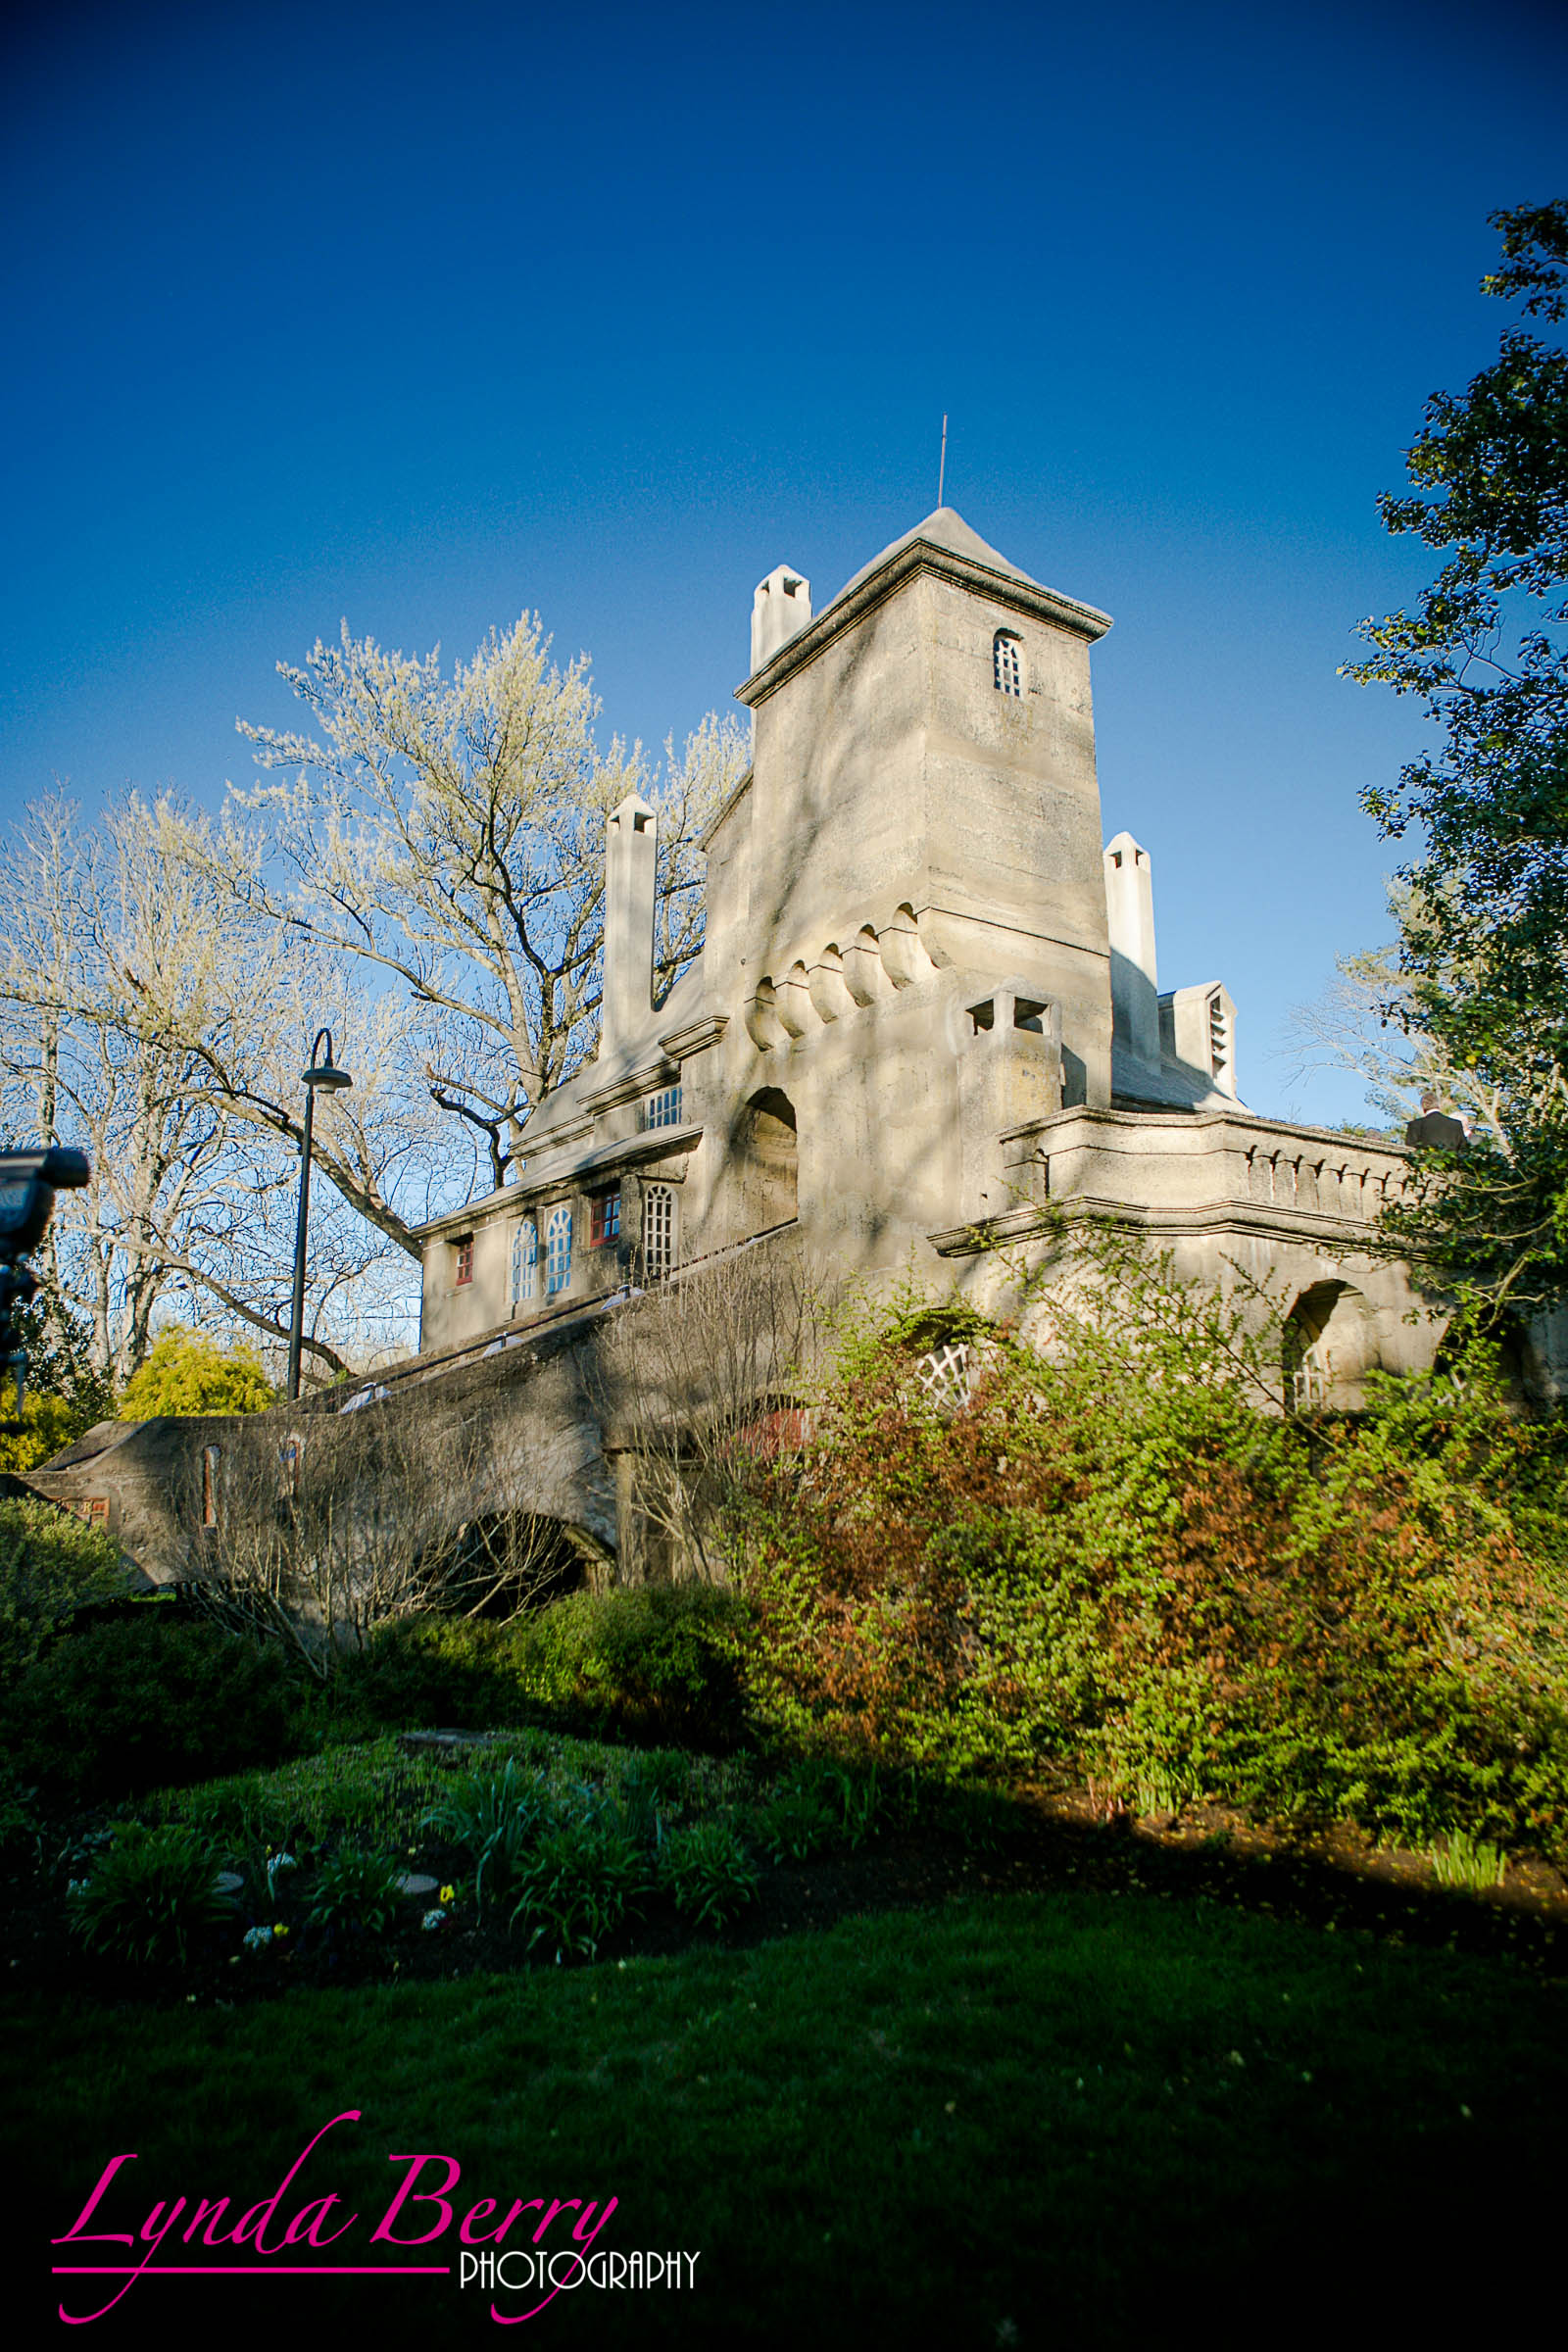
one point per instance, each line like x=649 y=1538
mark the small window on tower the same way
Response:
x=462 y=1261
x=1007 y=664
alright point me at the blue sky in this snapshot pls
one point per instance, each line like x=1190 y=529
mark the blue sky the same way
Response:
x=423 y=317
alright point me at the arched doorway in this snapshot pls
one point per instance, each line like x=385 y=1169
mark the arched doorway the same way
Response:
x=767 y=1160
x=1329 y=1346
x=1519 y=1366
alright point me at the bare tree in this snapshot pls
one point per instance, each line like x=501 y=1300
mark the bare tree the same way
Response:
x=139 y=1019
x=699 y=1376
x=449 y=835
x=429 y=886
x=1363 y=1024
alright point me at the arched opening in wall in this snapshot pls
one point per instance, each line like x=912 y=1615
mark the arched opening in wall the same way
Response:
x=1519 y=1366
x=767 y=1160
x=513 y=1562
x=1329 y=1346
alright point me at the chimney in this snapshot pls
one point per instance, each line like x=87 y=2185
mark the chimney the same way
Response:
x=1129 y=918
x=781 y=606
x=631 y=841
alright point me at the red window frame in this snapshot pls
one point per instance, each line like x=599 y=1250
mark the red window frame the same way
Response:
x=465 y=1255
x=604 y=1218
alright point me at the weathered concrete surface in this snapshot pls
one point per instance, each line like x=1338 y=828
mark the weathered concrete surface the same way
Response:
x=926 y=1019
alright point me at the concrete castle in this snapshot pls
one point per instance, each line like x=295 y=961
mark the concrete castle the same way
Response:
x=927 y=1003
x=927 y=1016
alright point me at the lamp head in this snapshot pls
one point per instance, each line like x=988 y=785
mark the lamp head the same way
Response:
x=321 y=1071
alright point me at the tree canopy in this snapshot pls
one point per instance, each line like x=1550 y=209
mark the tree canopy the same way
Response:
x=1484 y=898
x=446 y=835
x=187 y=1372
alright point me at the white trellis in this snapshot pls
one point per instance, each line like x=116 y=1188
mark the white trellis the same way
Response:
x=947 y=1374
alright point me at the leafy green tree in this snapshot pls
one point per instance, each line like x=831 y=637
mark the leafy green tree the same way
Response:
x=186 y=1372
x=1483 y=946
x=63 y=1395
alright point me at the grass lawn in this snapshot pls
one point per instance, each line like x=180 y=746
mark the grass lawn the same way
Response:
x=1068 y=2118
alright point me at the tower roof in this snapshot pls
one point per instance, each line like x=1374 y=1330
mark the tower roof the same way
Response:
x=943 y=544
x=944 y=528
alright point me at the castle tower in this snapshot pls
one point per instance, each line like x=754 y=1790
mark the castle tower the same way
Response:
x=925 y=744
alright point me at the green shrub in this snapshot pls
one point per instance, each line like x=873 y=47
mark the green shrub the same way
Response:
x=578 y=1885
x=655 y=1662
x=150 y=1896
x=1112 y=1562
x=186 y=1372
x=709 y=1871
x=144 y=1703
x=418 y=1672
x=356 y=1893
x=50 y=1564
x=497 y=1817
x=649 y=1663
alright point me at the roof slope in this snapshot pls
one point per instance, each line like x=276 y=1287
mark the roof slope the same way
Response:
x=945 y=528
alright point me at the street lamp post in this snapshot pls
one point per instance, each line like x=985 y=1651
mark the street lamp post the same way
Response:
x=320 y=1073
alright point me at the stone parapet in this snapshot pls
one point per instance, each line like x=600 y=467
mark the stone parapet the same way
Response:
x=1187 y=1173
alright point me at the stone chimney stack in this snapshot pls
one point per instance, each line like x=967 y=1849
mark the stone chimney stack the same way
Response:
x=1130 y=918
x=781 y=606
x=631 y=844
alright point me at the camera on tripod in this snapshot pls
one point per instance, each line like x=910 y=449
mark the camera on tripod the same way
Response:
x=28 y=1183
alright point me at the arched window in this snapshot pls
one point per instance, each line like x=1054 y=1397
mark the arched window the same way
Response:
x=557 y=1251
x=524 y=1262
x=659 y=1231
x=1006 y=667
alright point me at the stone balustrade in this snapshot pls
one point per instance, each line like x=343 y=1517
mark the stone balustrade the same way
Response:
x=1188 y=1172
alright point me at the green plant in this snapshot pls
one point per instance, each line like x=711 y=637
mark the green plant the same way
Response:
x=578 y=1885
x=50 y=1564
x=150 y=1896
x=20 y=1821
x=709 y=1871
x=816 y=1805
x=862 y=1805
x=980 y=1820
x=357 y=1894
x=1112 y=1563
x=795 y=1823
x=655 y=1661
x=415 y=1670
x=1466 y=1861
x=150 y=1699
x=185 y=1372
x=373 y=1789
x=497 y=1816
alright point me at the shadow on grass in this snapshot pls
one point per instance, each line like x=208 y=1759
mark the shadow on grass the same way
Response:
x=1089 y=2115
